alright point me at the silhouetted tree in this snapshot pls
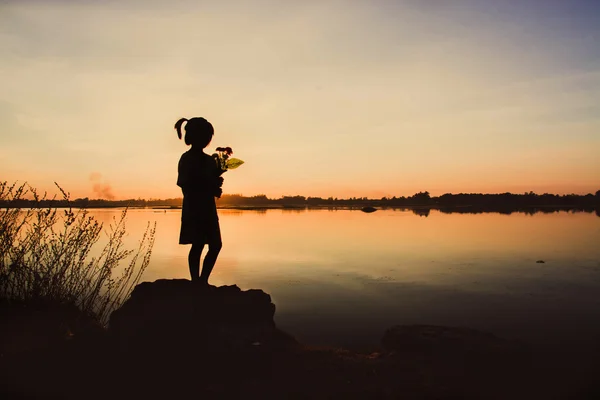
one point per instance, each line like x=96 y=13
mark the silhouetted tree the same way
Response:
x=421 y=198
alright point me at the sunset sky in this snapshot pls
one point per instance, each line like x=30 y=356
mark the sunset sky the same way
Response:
x=320 y=98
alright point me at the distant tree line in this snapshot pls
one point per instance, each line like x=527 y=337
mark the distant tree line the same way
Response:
x=461 y=202
x=93 y=203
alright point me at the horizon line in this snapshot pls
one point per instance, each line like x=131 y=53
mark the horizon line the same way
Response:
x=362 y=198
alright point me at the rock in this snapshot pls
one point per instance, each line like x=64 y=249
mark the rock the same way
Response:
x=427 y=339
x=40 y=325
x=463 y=363
x=540 y=261
x=178 y=313
x=368 y=209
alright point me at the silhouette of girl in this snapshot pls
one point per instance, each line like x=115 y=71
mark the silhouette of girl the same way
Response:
x=200 y=182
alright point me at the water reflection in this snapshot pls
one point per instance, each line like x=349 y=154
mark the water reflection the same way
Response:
x=421 y=212
x=344 y=276
x=425 y=211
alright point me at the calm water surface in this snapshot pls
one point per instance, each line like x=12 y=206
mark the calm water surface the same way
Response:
x=342 y=277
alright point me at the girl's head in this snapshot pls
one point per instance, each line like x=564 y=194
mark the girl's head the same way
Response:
x=198 y=131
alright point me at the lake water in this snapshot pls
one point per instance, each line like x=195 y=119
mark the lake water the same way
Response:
x=341 y=277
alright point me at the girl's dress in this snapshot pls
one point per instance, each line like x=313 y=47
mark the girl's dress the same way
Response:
x=198 y=179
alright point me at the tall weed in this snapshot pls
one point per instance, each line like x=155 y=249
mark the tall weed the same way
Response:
x=45 y=254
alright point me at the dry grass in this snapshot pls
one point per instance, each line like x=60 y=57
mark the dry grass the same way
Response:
x=45 y=254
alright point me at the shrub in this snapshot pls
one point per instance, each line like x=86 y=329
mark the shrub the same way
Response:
x=45 y=254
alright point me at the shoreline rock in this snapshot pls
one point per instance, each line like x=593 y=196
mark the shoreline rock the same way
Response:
x=178 y=312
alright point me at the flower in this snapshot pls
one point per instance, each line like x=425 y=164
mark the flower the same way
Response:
x=223 y=160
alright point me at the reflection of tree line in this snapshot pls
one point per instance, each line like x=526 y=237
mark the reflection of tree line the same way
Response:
x=505 y=203
x=424 y=212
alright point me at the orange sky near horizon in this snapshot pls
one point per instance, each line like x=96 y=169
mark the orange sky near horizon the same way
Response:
x=329 y=98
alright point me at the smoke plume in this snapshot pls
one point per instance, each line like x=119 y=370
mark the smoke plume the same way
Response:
x=101 y=189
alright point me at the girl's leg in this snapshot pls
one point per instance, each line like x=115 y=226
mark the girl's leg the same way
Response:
x=210 y=260
x=194 y=260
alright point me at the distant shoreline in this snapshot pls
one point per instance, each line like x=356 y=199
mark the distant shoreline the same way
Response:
x=421 y=200
x=420 y=203
x=421 y=210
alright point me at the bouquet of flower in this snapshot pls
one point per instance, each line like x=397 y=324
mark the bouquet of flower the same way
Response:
x=225 y=161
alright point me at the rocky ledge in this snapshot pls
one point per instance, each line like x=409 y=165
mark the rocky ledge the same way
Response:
x=178 y=313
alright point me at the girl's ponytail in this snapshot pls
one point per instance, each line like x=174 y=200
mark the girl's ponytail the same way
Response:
x=178 y=126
